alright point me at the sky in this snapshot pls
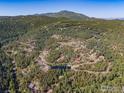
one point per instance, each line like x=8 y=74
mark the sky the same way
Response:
x=92 y=8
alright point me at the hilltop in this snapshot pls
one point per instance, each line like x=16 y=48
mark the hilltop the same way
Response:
x=68 y=14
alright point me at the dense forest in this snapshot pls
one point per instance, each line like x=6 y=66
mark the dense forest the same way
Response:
x=40 y=54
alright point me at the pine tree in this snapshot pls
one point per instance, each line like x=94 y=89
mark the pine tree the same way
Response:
x=12 y=87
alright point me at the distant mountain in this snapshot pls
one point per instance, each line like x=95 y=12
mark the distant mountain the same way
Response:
x=2 y=17
x=63 y=14
x=120 y=19
x=114 y=18
x=67 y=14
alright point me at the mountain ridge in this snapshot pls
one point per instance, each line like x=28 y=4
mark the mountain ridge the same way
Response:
x=66 y=14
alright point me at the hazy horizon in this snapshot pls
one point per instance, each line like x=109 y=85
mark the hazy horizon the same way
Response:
x=91 y=8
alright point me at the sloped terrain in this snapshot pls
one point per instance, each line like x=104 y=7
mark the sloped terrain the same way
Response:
x=75 y=54
x=68 y=14
x=88 y=54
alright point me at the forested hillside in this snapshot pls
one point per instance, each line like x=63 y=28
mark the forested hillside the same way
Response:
x=67 y=14
x=40 y=54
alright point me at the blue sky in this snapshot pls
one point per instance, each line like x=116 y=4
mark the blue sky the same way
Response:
x=92 y=8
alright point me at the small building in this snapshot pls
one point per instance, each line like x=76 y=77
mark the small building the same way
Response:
x=61 y=67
